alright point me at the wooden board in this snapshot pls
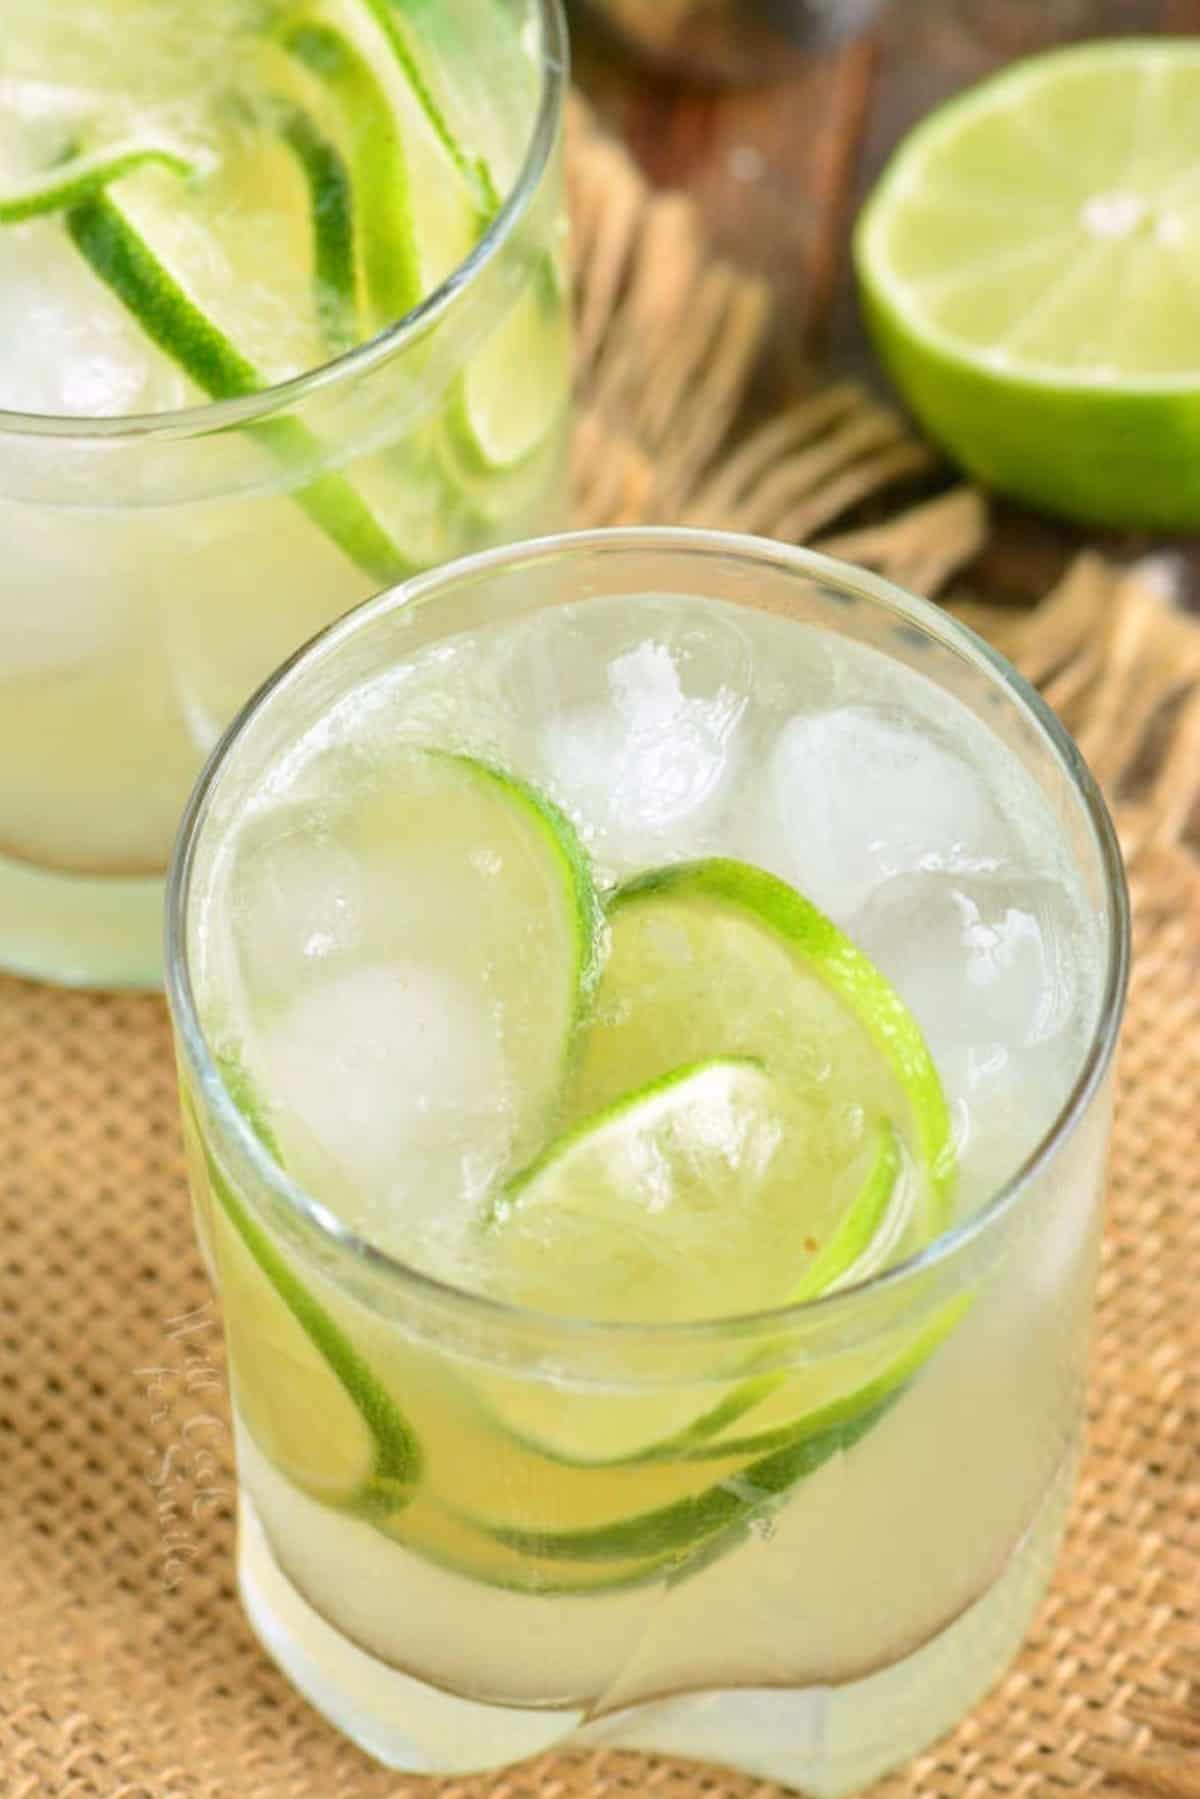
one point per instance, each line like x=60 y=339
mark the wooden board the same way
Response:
x=780 y=170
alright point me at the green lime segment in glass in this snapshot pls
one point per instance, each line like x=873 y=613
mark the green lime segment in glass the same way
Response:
x=82 y=177
x=387 y=246
x=708 y=1521
x=121 y=257
x=449 y=1541
x=305 y=1392
x=1028 y=267
x=653 y=1206
x=515 y=885
x=406 y=25
x=761 y=1176
x=331 y=206
x=721 y=957
x=512 y=393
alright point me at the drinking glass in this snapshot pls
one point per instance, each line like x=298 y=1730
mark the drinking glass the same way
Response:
x=158 y=567
x=823 y=1601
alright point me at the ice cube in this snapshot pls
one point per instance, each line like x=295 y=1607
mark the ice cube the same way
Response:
x=387 y=1088
x=297 y=899
x=991 y=966
x=642 y=771
x=67 y=347
x=855 y=795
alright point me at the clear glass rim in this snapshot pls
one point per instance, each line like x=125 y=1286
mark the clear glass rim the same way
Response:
x=216 y=415
x=312 y=1215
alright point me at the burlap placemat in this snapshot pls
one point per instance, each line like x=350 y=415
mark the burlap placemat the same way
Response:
x=126 y=1669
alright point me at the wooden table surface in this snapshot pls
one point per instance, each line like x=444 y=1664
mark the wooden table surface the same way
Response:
x=779 y=171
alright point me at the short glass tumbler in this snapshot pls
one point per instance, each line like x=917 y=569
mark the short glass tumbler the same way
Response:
x=159 y=567
x=808 y=1605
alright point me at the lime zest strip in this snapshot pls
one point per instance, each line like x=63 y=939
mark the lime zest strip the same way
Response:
x=119 y=255
x=387 y=246
x=398 y=1458
x=70 y=183
x=331 y=201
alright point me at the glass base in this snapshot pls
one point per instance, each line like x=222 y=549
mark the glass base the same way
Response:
x=80 y=931
x=824 y=1740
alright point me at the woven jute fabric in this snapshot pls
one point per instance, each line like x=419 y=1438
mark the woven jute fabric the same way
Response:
x=126 y=1668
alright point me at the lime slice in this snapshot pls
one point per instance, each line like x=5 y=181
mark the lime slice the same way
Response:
x=307 y=1396
x=443 y=1537
x=83 y=177
x=401 y=262
x=295 y=1407
x=405 y=25
x=335 y=280
x=1028 y=268
x=719 y=954
x=515 y=389
x=114 y=245
x=823 y=1060
x=695 y=1528
x=665 y=1202
x=506 y=899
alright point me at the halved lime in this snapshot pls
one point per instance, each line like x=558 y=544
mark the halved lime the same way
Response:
x=1028 y=267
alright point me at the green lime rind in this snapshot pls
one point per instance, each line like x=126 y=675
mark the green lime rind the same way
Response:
x=687 y=1524
x=71 y=183
x=568 y=860
x=845 y=1248
x=1117 y=459
x=860 y=1225
x=447 y=1541
x=897 y=1373
x=492 y=496
x=507 y=401
x=332 y=209
x=119 y=255
x=417 y=17
x=387 y=246
x=826 y=953
x=397 y=1452
x=848 y=1243
x=557 y=1156
x=697 y=1522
